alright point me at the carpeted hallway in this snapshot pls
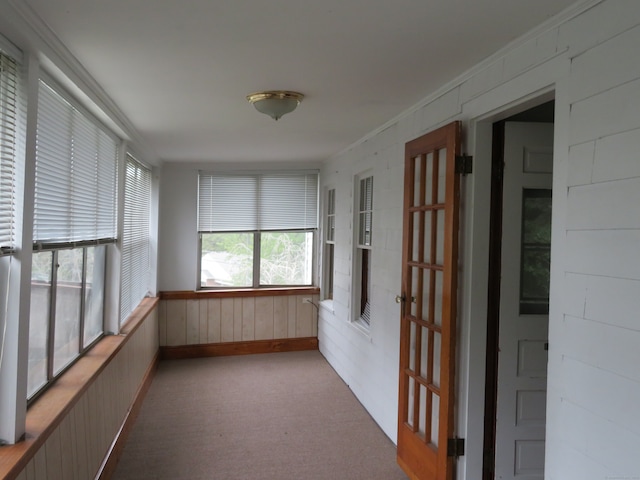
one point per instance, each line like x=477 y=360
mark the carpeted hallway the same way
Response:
x=263 y=417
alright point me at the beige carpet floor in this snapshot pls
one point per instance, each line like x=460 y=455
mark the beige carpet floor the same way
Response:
x=255 y=417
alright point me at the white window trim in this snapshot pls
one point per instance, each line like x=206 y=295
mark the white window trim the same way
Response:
x=326 y=215
x=356 y=317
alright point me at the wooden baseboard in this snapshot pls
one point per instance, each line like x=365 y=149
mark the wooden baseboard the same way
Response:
x=110 y=461
x=238 y=348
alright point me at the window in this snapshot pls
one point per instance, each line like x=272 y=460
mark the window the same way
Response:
x=535 y=257
x=135 y=236
x=364 y=212
x=67 y=302
x=329 y=243
x=74 y=217
x=8 y=146
x=257 y=230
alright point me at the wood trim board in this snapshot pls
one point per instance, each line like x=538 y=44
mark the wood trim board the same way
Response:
x=238 y=348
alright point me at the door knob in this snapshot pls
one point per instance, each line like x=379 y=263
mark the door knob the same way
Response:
x=401 y=298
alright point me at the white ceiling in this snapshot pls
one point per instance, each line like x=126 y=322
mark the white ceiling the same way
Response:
x=180 y=70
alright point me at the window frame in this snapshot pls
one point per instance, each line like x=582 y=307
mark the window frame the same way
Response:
x=362 y=249
x=207 y=224
x=256 y=259
x=133 y=246
x=76 y=111
x=83 y=346
x=328 y=258
x=11 y=98
x=96 y=158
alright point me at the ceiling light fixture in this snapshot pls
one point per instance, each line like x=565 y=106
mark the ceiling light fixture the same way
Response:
x=275 y=103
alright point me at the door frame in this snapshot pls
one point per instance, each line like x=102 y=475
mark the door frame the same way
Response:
x=494 y=273
x=493 y=301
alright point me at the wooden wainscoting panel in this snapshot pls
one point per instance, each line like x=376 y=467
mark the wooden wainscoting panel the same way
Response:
x=238 y=348
x=203 y=330
x=162 y=323
x=264 y=318
x=193 y=322
x=280 y=317
x=248 y=319
x=304 y=317
x=176 y=322
x=213 y=317
x=40 y=464
x=227 y=323
x=53 y=455
x=291 y=315
x=68 y=442
x=237 y=319
x=79 y=419
x=111 y=460
x=205 y=320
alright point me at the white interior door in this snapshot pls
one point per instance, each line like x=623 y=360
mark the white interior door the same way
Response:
x=524 y=321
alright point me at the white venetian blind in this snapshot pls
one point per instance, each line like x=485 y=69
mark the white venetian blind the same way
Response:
x=257 y=202
x=8 y=145
x=135 y=235
x=76 y=174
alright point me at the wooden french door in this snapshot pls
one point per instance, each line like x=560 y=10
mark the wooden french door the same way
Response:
x=429 y=280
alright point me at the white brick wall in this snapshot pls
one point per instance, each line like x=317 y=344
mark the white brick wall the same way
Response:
x=590 y=58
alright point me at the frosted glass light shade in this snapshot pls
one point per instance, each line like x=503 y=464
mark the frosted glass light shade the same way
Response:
x=275 y=103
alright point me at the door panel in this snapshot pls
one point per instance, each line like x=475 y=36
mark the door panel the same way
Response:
x=429 y=279
x=523 y=330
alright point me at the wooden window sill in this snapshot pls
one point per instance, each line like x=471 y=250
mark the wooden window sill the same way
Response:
x=234 y=293
x=50 y=409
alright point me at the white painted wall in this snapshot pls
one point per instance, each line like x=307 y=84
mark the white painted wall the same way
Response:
x=178 y=228
x=589 y=58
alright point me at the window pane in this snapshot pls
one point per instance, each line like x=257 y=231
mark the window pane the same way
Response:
x=286 y=258
x=94 y=294
x=536 y=216
x=68 y=297
x=331 y=228
x=534 y=296
x=535 y=251
x=442 y=174
x=39 y=320
x=226 y=260
x=328 y=283
x=365 y=229
x=417 y=175
x=365 y=286
x=365 y=211
x=435 y=418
